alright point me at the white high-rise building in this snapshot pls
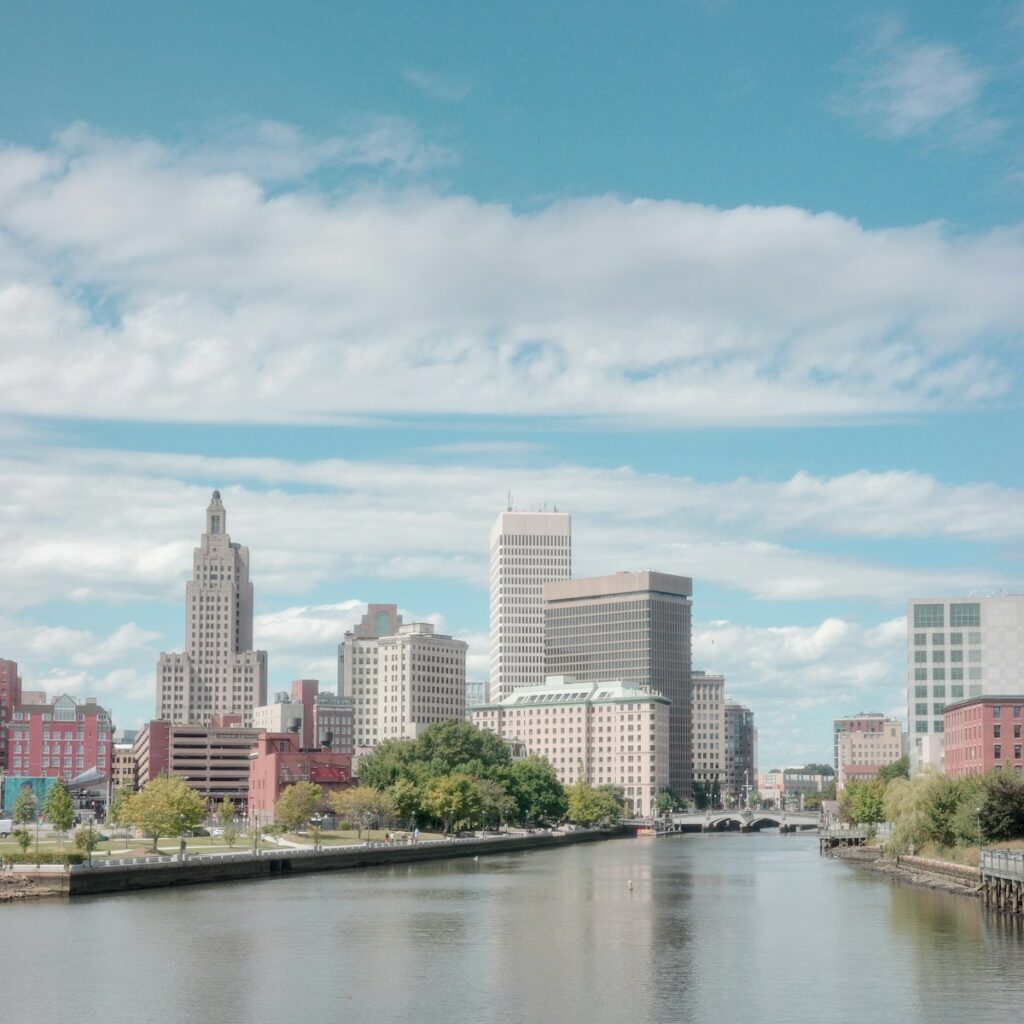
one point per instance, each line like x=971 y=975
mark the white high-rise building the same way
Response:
x=528 y=549
x=958 y=648
x=219 y=673
x=357 y=668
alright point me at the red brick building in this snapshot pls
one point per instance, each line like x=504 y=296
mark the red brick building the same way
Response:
x=279 y=760
x=983 y=733
x=62 y=739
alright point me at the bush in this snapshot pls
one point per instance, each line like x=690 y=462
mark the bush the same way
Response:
x=50 y=857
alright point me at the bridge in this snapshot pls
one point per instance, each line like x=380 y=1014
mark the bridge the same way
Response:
x=742 y=820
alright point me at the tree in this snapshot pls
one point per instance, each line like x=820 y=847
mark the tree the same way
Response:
x=701 y=795
x=226 y=812
x=24 y=809
x=664 y=802
x=362 y=806
x=23 y=838
x=452 y=798
x=1002 y=808
x=86 y=840
x=588 y=806
x=495 y=803
x=117 y=812
x=533 y=783
x=59 y=810
x=406 y=800
x=298 y=803
x=165 y=807
x=898 y=769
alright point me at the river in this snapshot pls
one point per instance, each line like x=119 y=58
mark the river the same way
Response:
x=715 y=928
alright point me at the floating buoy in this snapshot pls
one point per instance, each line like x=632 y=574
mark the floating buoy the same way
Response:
x=630 y=884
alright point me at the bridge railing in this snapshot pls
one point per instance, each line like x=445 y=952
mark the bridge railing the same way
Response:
x=1005 y=863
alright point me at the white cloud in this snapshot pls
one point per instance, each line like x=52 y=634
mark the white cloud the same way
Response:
x=905 y=87
x=440 y=87
x=142 y=281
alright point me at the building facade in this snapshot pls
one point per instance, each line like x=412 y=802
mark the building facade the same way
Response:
x=357 y=668
x=866 y=744
x=284 y=715
x=635 y=627
x=983 y=734
x=333 y=723
x=528 y=549
x=10 y=697
x=212 y=759
x=958 y=648
x=708 y=744
x=740 y=768
x=279 y=760
x=64 y=739
x=421 y=680
x=610 y=732
x=218 y=673
x=124 y=769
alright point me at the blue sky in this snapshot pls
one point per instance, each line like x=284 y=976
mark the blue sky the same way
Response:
x=737 y=285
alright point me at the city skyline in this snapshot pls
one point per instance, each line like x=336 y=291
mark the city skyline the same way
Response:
x=738 y=290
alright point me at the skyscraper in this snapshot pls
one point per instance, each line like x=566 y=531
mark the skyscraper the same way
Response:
x=633 y=626
x=219 y=672
x=528 y=549
x=958 y=648
x=358 y=668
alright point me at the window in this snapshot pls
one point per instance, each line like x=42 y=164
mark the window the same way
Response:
x=926 y=615
x=997 y=751
x=997 y=731
x=920 y=691
x=938 y=638
x=956 y=673
x=939 y=657
x=997 y=712
x=937 y=707
x=920 y=710
x=956 y=692
x=956 y=639
x=920 y=639
x=965 y=614
x=938 y=691
x=938 y=673
x=920 y=656
x=920 y=673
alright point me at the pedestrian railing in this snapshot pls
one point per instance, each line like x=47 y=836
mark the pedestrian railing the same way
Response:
x=1004 y=863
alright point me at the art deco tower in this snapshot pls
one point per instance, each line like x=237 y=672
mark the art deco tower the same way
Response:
x=219 y=673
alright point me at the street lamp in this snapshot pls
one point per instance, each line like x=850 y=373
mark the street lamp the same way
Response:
x=978 y=814
x=181 y=835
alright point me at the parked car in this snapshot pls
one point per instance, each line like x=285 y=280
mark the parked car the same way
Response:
x=216 y=832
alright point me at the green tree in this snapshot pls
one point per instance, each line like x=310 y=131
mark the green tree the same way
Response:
x=664 y=802
x=226 y=812
x=701 y=795
x=534 y=785
x=406 y=799
x=117 y=812
x=1002 y=807
x=59 y=810
x=495 y=802
x=451 y=799
x=24 y=809
x=297 y=804
x=590 y=806
x=230 y=835
x=898 y=769
x=23 y=838
x=165 y=807
x=362 y=806
x=86 y=840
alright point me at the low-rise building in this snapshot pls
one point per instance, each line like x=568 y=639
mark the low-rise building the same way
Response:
x=284 y=715
x=983 y=734
x=279 y=760
x=865 y=744
x=610 y=732
x=213 y=759
x=124 y=769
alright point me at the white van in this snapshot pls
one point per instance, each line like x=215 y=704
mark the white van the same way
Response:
x=6 y=827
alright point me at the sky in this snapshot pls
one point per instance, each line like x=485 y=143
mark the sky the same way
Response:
x=740 y=286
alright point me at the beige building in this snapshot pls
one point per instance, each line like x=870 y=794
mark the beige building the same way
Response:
x=123 y=768
x=421 y=679
x=708 y=728
x=633 y=627
x=357 y=668
x=284 y=715
x=528 y=549
x=866 y=744
x=611 y=731
x=218 y=673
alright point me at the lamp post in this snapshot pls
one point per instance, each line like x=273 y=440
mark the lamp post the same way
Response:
x=977 y=813
x=90 y=842
x=181 y=835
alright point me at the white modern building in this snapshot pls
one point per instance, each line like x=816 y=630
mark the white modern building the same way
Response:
x=611 y=732
x=284 y=715
x=357 y=668
x=528 y=549
x=958 y=647
x=218 y=673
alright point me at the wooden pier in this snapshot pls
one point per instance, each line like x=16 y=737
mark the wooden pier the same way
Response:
x=1002 y=880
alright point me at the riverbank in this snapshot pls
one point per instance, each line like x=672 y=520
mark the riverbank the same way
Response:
x=923 y=872
x=158 y=872
x=18 y=887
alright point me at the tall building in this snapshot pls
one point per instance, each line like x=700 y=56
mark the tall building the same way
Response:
x=357 y=668
x=740 y=753
x=708 y=728
x=219 y=673
x=528 y=549
x=958 y=648
x=635 y=627
x=421 y=679
x=10 y=696
x=333 y=723
x=864 y=744
x=611 y=732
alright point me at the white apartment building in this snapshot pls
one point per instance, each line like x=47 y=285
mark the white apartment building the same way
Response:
x=958 y=648
x=528 y=549
x=708 y=727
x=867 y=744
x=421 y=679
x=218 y=673
x=612 y=732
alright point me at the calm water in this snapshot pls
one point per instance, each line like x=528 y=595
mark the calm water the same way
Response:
x=716 y=928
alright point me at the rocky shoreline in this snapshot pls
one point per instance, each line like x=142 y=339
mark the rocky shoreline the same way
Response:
x=919 y=871
x=18 y=887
